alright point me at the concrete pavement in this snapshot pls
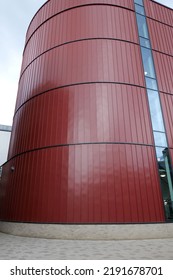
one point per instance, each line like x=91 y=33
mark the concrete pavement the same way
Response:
x=23 y=248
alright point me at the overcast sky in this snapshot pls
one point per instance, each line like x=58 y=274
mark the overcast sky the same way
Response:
x=15 y=16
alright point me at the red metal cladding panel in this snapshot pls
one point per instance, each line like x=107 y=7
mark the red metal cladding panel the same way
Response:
x=83 y=114
x=167 y=106
x=82 y=62
x=82 y=146
x=164 y=70
x=161 y=36
x=158 y=12
x=86 y=22
x=54 y=7
x=83 y=184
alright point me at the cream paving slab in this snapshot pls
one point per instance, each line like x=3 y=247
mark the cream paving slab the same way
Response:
x=23 y=248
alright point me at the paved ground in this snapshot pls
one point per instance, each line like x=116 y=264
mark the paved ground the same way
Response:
x=22 y=248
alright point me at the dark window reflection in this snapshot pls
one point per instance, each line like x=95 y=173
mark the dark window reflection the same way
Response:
x=166 y=183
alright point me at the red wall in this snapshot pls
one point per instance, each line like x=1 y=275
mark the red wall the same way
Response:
x=98 y=183
x=53 y=7
x=87 y=61
x=87 y=23
x=82 y=143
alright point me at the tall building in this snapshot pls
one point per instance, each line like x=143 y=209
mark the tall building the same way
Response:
x=92 y=138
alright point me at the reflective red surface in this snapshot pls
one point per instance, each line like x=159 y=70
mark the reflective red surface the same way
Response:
x=82 y=145
x=98 y=183
x=83 y=114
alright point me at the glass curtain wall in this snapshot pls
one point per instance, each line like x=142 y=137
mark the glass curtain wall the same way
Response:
x=158 y=127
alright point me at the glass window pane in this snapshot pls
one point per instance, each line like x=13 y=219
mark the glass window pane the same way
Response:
x=145 y=42
x=139 y=9
x=155 y=111
x=160 y=139
x=165 y=180
x=142 y=26
x=140 y=2
x=148 y=63
x=0 y=172
x=159 y=153
x=151 y=83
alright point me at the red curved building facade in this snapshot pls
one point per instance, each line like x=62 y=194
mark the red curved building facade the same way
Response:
x=82 y=147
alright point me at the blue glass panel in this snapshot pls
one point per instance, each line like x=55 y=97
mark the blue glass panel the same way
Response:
x=160 y=139
x=140 y=2
x=159 y=153
x=148 y=63
x=145 y=42
x=151 y=83
x=139 y=9
x=142 y=26
x=155 y=111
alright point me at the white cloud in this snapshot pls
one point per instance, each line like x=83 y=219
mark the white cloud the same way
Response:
x=14 y=20
x=9 y=84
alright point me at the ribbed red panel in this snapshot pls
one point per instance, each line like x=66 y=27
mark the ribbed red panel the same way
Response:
x=83 y=183
x=82 y=62
x=158 y=12
x=167 y=106
x=82 y=114
x=161 y=36
x=164 y=70
x=54 y=7
x=97 y=21
x=82 y=146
